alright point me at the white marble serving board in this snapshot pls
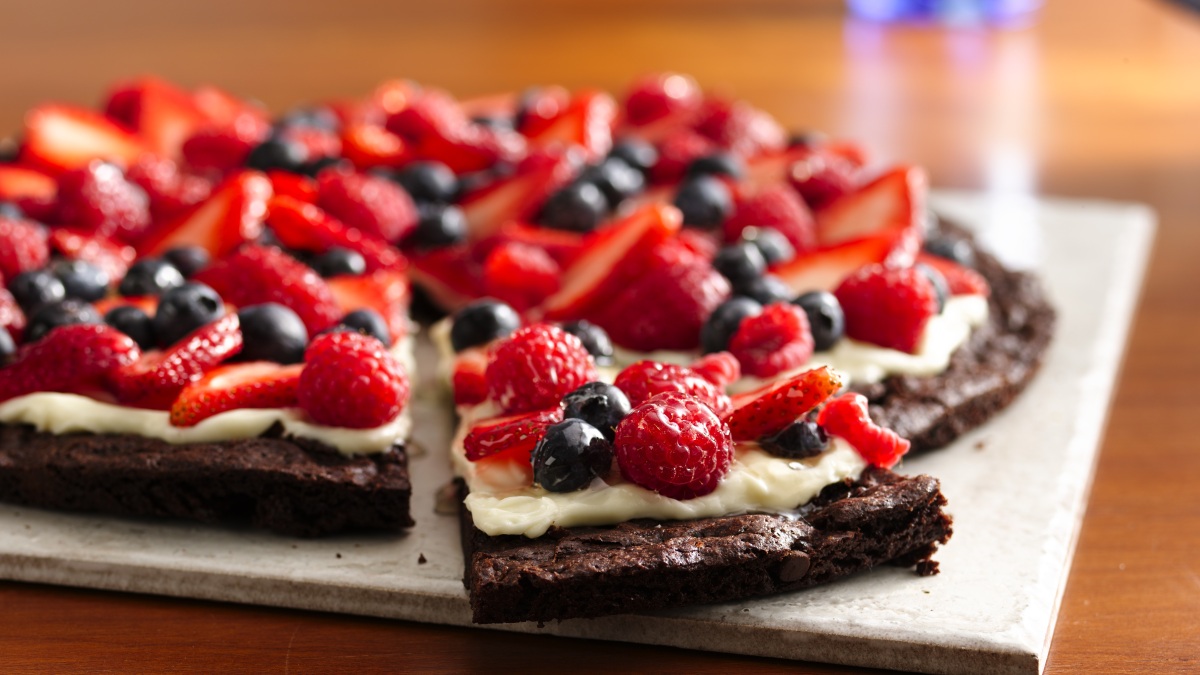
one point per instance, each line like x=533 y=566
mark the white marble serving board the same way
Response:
x=1017 y=489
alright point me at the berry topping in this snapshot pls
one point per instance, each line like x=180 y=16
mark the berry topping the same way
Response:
x=272 y=332
x=469 y=378
x=232 y=216
x=8 y=347
x=82 y=280
x=720 y=368
x=59 y=137
x=570 y=455
x=798 y=440
x=150 y=276
x=616 y=179
x=717 y=164
x=303 y=226
x=776 y=341
x=71 y=358
x=774 y=247
x=959 y=280
x=822 y=178
x=183 y=309
x=825 y=318
x=891 y=203
x=654 y=97
x=65 y=313
x=514 y=433
x=740 y=263
x=594 y=339
x=704 y=201
x=35 y=288
x=578 y=207
x=351 y=380
x=481 y=322
x=368 y=322
x=940 y=289
x=520 y=274
x=644 y=379
x=535 y=367
x=134 y=322
x=675 y=445
x=765 y=290
x=601 y=405
x=23 y=247
x=952 y=249
x=636 y=153
x=777 y=207
x=244 y=385
x=739 y=126
x=428 y=182
x=846 y=417
x=438 y=226
x=155 y=380
x=676 y=151
x=768 y=410
x=887 y=306
x=97 y=198
x=372 y=204
x=338 y=260
x=724 y=321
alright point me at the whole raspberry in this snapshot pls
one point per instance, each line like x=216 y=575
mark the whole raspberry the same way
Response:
x=822 y=177
x=372 y=204
x=535 y=367
x=225 y=147
x=646 y=379
x=350 y=380
x=740 y=127
x=77 y=357
x=23 y=247
x=846 y=417
x=676 y=152
x=656 y=96
x=888 y=306
x=99 y=199
x=171 y=192
x=675 y=445
x=773 y=342
x=777 y=207
x=720 y=368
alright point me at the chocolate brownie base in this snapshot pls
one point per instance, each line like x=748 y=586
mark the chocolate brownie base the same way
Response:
x=291 y=486
x=646 y=565
x=985 y=374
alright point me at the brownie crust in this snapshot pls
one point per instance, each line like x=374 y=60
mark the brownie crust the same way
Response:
x=287 y=485
x=646 y=565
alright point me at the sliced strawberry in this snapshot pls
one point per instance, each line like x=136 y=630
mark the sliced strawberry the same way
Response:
x=520 y=275
x=372 y=204
x=259 y=384
x=294 y=185
x=162 y=114
x=368 y=146
x=106 y=253
x=515 y=433
x=155 y=380
x=472 y=148
x=68 y=359
x=521 y=195
x=419 y=114
x=612 y=258
x=586 y=122
x=959 y=280
x=469 y=378
x=767 y=410
x=846 y=417
x=449 y=276
x=824 y=268
x=309 y=228
x=538 y=108
x=385 y=291
x=232 y=216
x=894 y=201
x=561 y=245
x=772 y=168
x=61 y=137
x=17 y=182
x=171 y=191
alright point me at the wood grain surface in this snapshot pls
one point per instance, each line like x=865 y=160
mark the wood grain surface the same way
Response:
x=1094 y=99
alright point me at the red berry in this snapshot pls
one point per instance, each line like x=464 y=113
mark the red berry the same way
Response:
x=777 y=207
x=155 y=380
x=767 y=410
x=675 y=445
x=676 y=152
x=98 y=198
x=431 y=112
x=22 y=247
x=520 y=275
x=821 y=178
x=351 y=380
x=373 y=204
x=740 y=127
x=225 y=147
x=846 y=417
x=258 y=384
x=888 y=306
x=70 y=358
x=720 y=368
x=171 y=192
x=316 y=143
x=642 y=380
x=515 y=433
x=777 y=340
x=960 y=280
x=535 y=367
x=654 y=97
x=111 y=256
x=469 y=379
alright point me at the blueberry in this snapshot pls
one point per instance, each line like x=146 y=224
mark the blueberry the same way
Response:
x=438 y=226
x=570 y=455
x=717 y=164
x=10 y=210
x=428 y=182
x=8 y=347
x=188 y=259
x=271 y=332
x=82 y=279
x=183 y=309
x=594 y=339
x=774 y=247
x=338 y=260
x=317 y=118
x=637 y=154
x=315 y=166
x=825 y=317
x=150 y=276
x=578 y=207
x=724 y=321
x=64 y=313
x=798 y=440
x=35 y=288
x=277 y=152
x=740 y=263
x=133 y=322
x=939 y=285
x=951 y=248
x=599 y=404
x=765 y=289
x=705 y=202
x=368 y=322
x=616 y=179
x=481 y=322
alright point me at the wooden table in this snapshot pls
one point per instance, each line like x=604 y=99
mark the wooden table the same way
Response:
x=1096 y=99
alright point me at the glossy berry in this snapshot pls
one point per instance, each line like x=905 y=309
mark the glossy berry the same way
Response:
x=724 y=322
x=35 y=288
x=272 y=332
x=825 y=318
x=438 y=226
x=73 y=357
x=770 y=409
x=65 y=313
x=636 y=153
x=887 y=306
x=183 y=309
x=846 y=417
x=430 y=182
x=775 y=206
x=374 y=205
x=368 y=322
x=704 y=201
x=351 y=380
x=600 y=404
x=23 y=247
x=338 y=260
x=774 y=247
x=510 y=434
x=616 y=179
x=740 y=263
x=570 y=455
x=188 y=259
x=150 y=276
x=775 y=341
x=8 y=347
x=939 y=285
x=578 y=207
x=798 y=440
x=155 y=380
x=951 y=248
x=82 y=280
x=133 y=322
x=98 y=198
x=481 y=322
x=656 y=96
x=644 y=379
x=535 y=367
x=765 y=289
x=594 y=339
x=717 y=164
x=277 y=152
x=675 y=445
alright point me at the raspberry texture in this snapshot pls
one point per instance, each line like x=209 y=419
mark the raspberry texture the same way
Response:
x=645 y=379
x=675 y=445
x=351 y=380
x=70 y=358
x=23 y=247
x=773 y=342
x=720 y=368
x=821 y=178
x=171 y=192
x=97 y=198
x=887 y=306
x=846 y=417
x=654 y=97
x=676 y=152
x=535 y=367
x=777 y=207
x=372 y=204
x=740 y=127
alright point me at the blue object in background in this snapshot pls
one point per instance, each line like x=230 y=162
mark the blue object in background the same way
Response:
x=945 y=11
